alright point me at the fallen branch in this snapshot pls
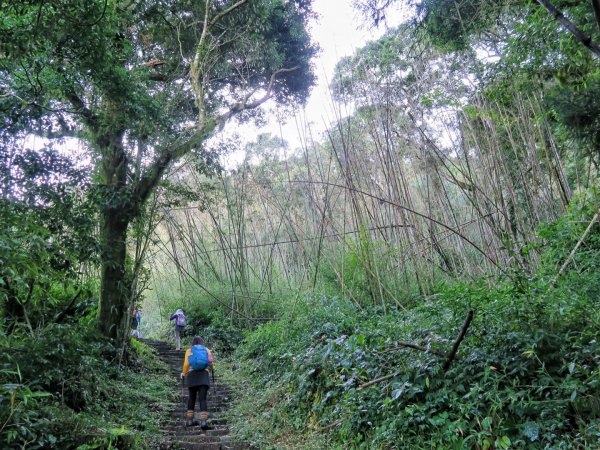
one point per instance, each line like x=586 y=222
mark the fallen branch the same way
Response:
x=459 y=339
x=402 y=344
x=331 y=425
x=377 y=380
x=450 y=356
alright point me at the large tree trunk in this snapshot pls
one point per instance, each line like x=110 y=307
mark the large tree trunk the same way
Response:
x=114 y=289
x=115 y=215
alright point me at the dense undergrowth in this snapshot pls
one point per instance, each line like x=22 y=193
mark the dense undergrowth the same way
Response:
x=62 y=387
x=527 y=375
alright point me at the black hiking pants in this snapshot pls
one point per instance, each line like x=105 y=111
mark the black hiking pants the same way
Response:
x=200 y=392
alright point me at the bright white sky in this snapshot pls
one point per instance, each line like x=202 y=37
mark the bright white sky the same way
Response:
x=340 y=31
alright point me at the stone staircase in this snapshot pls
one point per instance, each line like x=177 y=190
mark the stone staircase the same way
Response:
x=177 y=435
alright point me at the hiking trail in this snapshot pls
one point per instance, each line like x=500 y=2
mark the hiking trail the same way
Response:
x=177 y=435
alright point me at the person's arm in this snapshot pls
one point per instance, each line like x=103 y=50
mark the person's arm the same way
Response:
x=210 y=358
x=172 y=316
x=186 y=365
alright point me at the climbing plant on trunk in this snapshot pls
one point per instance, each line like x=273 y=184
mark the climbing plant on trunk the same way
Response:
x=141 y=85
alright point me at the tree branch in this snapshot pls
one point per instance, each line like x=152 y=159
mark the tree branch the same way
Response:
x=244 y=105
x=570 y=26
x=459 y=339
x=447 y=364
x=416 y=213
x=152 y=63
x=377 y=380
x=89 y=117
x=150 y=179
x=25 y=315
x=226 y=11
x=332 y=425
x=143 y=188
x=401 y=344
x=58 y=317
x=572 y=254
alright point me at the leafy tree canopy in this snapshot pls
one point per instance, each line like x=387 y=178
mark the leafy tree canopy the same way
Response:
x=142 y=84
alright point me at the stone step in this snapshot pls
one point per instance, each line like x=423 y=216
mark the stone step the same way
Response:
x=236 y=445
x=180 y=412
x=217 y=422
x=194 y=431
x=214 y=393
x=217 y=432
x=176 y=419
x=200 y=438
x=162 y=348
x=211 y=401
x=230 y=445
x=196 y=445
x=177 y=435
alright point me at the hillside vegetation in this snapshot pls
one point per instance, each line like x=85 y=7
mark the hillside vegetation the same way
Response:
x=527 y=375
x=420 y=272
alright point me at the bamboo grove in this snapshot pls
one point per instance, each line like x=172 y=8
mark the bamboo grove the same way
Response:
x=380 y=210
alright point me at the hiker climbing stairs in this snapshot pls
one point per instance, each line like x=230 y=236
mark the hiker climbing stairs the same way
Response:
x=177 y=435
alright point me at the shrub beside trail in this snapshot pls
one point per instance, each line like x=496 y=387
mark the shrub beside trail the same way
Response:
x=63 y=387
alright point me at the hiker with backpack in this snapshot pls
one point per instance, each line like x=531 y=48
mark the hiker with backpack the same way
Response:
x=137 y=314
x=198 y=359
x=179 y=318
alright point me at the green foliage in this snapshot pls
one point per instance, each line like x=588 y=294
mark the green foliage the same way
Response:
x=217 y=330
x=46 y=232
x=353 y=278
x=78 y=48
x=526 y=376
x=562 y=236
x=451 y=23
x=63 y=388
x=577 y=107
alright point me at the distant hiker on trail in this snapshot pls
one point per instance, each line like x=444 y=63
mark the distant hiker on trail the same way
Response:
x=137 y=317
x=198 y=359
x=179 y=318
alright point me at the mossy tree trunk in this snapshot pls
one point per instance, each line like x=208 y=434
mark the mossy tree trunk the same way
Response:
x=114 y=287
x=116 y=212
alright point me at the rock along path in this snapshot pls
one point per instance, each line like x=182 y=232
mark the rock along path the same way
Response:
x=177 y=435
